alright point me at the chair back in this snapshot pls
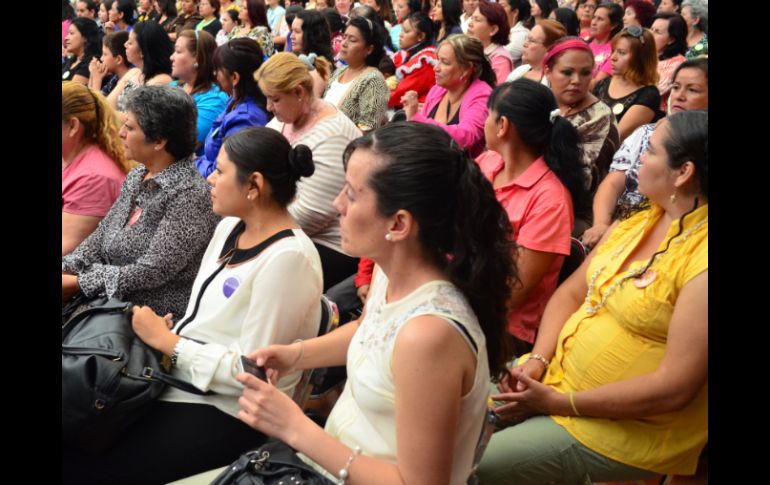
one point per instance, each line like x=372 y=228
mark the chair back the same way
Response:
x=330 y=319
x=487 y=428
x=577 y=253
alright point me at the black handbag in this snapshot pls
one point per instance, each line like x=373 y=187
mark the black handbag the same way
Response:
x=272 y=463
x=110 y=378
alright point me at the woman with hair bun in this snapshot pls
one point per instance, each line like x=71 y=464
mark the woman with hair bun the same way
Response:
x=431 y=331
x=244 y=298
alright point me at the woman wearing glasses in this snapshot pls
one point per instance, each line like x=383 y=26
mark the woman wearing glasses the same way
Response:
x=632 y=91
x=585 y=12
x=540 y=39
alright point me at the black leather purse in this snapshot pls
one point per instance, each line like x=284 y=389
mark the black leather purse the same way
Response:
x=272 y=463
x=110 y=378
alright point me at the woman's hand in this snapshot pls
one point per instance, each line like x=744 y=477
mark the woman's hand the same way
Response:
x=592 y=235
x=151 y=327
x=363 y=292
x=278 y=360
x=536 y=398
x=69 y=286
x=96 y=68
x=410 y=103
x=109 y=27
x=265 y=408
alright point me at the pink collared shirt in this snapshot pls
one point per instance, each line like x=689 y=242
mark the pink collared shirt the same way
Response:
x=539 y=207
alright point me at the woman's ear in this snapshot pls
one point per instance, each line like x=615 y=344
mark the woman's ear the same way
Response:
x=685 y=174
x=401 y=226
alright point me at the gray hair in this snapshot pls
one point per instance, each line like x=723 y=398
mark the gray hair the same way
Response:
x=166 y=113
x=700 y=9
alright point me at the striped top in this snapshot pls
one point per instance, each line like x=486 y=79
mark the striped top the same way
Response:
x=312 y=208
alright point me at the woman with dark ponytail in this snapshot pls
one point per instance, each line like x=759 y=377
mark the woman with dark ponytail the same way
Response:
x=535 y=166
x=431 y=334
x=616 y=388
x=259 y=283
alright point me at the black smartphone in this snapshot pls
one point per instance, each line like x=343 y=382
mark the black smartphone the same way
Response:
x=251 y=367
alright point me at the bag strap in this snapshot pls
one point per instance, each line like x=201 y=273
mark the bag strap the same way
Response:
x=258 y=249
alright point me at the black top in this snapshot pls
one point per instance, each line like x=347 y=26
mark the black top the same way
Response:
x=455 y=119
x=68 y=72
x=648 y=96
x=213 y=28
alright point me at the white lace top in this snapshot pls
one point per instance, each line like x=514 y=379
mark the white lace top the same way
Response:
x=365 y=413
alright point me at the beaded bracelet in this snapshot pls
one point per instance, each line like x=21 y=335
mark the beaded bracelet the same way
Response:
x=343 y=473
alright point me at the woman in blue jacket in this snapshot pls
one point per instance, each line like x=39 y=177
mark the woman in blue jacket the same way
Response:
x=235 y=63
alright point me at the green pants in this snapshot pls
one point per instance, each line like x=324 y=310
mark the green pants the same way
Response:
x=539 y=451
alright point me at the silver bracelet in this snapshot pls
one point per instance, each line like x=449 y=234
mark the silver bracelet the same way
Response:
x=343 y=473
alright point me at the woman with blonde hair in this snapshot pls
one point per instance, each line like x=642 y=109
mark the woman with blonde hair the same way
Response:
x=93 y=164
x=303 y=118
x=632 y=91
x=458 y=101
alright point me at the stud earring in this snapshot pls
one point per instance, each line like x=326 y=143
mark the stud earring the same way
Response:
x=388 y=237
x=673 y=197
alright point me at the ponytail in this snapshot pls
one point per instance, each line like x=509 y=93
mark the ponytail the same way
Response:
x=465 y=230
x=528 y=106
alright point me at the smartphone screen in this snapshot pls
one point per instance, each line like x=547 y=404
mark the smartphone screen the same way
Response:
x=251 y=367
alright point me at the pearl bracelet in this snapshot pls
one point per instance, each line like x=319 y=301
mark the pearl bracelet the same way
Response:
x=343 y=473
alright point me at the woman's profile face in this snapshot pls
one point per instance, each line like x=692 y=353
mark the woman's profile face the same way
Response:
x=286 y=107
x=534 y=47
x=74 y=42
x=133 y=51
x=104 y=15
x=362 y=228
x=480 y=28
x=656 y=178
x=449 y=72
x=114 y=14
x=134 y=142
x=183 y=60
x=228 y=195
x=296 y=35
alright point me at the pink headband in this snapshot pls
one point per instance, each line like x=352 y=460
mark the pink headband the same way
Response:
x=563 y=46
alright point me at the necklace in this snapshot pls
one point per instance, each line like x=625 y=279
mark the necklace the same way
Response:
x=634 y=273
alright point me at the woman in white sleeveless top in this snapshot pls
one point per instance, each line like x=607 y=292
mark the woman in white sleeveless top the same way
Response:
x=420 y=358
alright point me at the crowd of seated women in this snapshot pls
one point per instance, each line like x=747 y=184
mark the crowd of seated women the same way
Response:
x=432 y=165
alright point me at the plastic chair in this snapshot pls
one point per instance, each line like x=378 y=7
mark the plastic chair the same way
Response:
x=330 y=319
x=577 y=253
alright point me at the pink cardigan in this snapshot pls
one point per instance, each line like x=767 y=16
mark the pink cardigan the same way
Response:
x=469 y=133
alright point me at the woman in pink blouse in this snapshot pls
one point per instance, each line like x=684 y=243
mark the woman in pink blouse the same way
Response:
x=458 y=101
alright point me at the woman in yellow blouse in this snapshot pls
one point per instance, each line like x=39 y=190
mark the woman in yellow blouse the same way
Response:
x=616 y=385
